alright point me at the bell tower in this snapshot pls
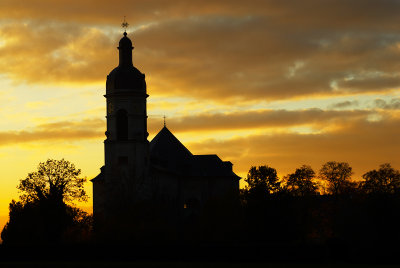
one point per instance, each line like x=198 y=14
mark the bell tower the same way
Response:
x=126 y=148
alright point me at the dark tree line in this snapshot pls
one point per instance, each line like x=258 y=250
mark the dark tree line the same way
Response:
x=334 y=178
x=305 y=207
x=325 y=208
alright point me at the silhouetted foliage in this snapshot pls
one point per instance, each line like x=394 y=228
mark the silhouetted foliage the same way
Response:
x=337 y=175
x=266 y=208
x=45 y=223
x=56 y=180
x=80 y=231
x=42 y=216
x=385 y=180
x=262 y=179
x=296 y=213
x=269 y=214
x=301 y=182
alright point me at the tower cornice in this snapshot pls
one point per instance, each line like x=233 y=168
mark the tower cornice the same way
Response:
x=126 y=93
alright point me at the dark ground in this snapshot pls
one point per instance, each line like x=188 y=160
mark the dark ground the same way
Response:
x=191 y=256
x=94 y=264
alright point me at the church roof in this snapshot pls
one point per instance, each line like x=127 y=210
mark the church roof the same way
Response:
x=212 y=165
x=168 y=153
x=99 y=177
x=165 y=143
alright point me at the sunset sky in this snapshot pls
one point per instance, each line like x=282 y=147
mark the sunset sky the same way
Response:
x=282 y=83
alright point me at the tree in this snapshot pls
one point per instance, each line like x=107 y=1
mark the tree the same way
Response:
x=42 y=215
x=263 y=179
x=337 y=176
x=300 y=183
x=55 y=180
x=385 y=180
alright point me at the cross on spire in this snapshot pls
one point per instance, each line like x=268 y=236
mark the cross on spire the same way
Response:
x=125 y=24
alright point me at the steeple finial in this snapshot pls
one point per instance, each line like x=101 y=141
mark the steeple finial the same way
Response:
x=125 y=48
x=125 y=25
x=165 y=124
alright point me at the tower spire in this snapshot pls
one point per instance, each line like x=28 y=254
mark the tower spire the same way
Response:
x=125 y=48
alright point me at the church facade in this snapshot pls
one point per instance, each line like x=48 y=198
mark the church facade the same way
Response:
x=137 y=170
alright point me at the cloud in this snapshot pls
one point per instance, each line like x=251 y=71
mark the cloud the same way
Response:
x=247 y=58
x=363 y=144
x=94 y=127
x=393 y=104
x=62 y=130
x=331 y=14
x=377 y=84
x=55 y=53
x=265 y=119
x=223 y=54
x=220 y=50
x=344 y=104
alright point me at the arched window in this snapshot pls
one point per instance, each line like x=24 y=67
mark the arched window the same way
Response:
x=122 y=125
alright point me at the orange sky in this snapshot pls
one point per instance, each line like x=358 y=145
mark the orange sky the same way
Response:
x=282 y=83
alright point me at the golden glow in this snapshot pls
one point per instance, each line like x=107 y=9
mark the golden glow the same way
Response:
x=265 y=83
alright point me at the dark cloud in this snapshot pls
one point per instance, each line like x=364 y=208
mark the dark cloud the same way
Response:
x=346 y=136
x=264 y=119
x=220 y=50
x=363 y=144
x=393 y=104
x=371 y=84
x=357 y=14
x=249 y=58
x=63 y=131
x=55 y=53
x=94 y=128
x=344 y=104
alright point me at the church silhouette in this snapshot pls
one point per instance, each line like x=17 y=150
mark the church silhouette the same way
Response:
x=139 y=171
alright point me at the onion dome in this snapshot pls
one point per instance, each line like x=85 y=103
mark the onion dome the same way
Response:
x=125 y=77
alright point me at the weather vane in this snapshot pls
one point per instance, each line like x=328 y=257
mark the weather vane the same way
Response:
x=125 y=24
